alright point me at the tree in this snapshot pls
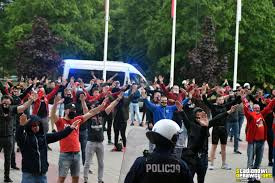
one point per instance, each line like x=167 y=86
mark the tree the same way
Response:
x=204 y=65
x=37 y=56
x=79 y=23
x=140 y=32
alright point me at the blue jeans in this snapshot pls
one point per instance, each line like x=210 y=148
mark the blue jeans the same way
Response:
x=29 y=178
x=61 y=110
x=235 y=130
x=255 y=149
x=134 y=109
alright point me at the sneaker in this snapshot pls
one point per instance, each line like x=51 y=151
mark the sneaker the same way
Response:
x=270 y=164
x=211 y=167
x=141 y=124
x=110 y=142
x=114 y=149
x=15 y=167
x=7 y=179
x=237 y=152
x=132 y=124
x=240 y=140
x=90 y=172
x=226 y=167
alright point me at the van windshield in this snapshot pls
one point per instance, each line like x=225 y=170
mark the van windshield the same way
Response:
x=135 y=78
x=86 y=75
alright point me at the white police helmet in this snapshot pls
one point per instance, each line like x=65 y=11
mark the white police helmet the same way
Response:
x=165 y=131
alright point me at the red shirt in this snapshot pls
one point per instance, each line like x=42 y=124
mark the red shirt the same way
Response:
x=71 y=142
x=254 y=129
x=260 y=130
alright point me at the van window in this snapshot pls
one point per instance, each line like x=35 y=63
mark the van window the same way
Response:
x=120 y=76
x=135 y=78
x=85 y=75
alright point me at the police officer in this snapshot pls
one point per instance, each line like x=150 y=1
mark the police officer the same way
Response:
x=161 y=166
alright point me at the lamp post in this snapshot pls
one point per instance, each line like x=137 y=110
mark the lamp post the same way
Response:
x=106 y=38
x=238 y=19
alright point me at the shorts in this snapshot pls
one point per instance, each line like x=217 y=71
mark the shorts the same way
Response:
x=69 y=161
x=219 y=133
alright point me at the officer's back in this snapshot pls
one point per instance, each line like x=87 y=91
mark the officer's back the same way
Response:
x=161 y=166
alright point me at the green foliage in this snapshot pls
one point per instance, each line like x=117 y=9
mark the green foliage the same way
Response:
x=140 y=32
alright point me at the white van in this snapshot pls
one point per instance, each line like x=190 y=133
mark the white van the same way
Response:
x=82 y=69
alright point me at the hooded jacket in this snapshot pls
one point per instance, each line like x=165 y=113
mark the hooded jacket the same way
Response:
x=33 y=146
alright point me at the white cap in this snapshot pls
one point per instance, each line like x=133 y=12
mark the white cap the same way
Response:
x=238 y=85
x=246 y=85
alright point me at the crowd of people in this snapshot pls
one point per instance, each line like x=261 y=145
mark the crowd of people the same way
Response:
x=77 y=115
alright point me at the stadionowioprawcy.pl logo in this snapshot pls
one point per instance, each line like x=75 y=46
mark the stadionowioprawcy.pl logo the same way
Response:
x=245 y=174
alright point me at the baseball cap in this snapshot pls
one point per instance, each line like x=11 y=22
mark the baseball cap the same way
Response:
x=69 y=106
x=246 y=85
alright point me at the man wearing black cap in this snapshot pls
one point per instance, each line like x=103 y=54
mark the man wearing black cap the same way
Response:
x=161 y=166
x=7 y=113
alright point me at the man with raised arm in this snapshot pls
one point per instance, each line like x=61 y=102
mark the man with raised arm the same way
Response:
x=69 y=158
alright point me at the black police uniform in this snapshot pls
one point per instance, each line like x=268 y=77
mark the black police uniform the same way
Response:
x=161 y=166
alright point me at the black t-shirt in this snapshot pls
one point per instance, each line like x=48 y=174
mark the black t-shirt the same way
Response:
x=6 y=120
x=42 y=112
x=49 y=90
x=95 y=128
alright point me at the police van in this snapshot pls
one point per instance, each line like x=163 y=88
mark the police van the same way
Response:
x=83 y=68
